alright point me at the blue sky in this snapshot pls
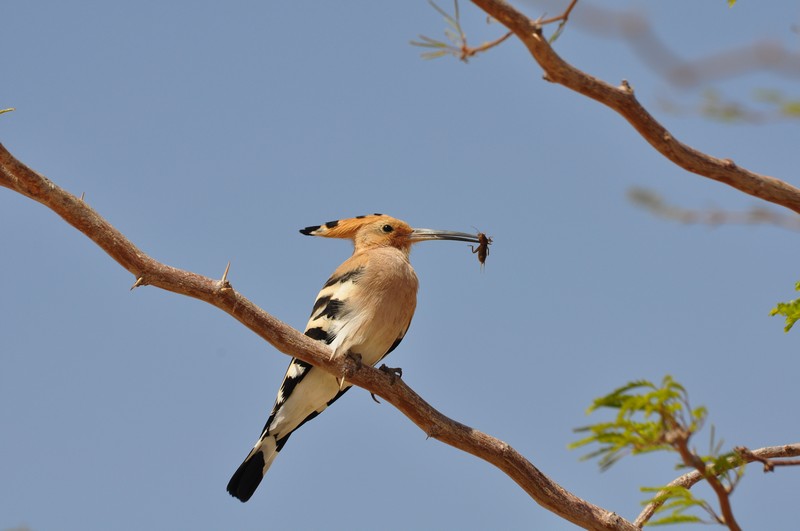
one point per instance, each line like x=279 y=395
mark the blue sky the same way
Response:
x=211 y=132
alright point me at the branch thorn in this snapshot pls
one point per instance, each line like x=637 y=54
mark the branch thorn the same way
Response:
x=139 y=282
x=224 y=285
x=225 y=274
x=626 y=87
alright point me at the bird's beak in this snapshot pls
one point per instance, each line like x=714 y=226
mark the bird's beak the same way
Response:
x=420 y=235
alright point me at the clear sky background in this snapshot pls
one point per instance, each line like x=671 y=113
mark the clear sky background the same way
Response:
x=211 y=132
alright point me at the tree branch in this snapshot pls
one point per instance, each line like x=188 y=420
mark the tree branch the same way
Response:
x=622 y=100
x=547 y=493
x=769 y=463
x=653 y=202
x=690 y=479
x=681 y=443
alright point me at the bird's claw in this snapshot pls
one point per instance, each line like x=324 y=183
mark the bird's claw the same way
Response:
x=393 y=372
x=355 y=363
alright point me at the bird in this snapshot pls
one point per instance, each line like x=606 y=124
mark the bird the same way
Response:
x=364 y=309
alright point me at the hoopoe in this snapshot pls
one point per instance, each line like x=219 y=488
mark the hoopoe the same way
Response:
x=364 y=309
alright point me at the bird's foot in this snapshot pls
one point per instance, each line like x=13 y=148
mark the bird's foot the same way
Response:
x=353 y=363
x=393 y=372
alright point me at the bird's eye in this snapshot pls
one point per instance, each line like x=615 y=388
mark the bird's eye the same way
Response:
x=387 y=229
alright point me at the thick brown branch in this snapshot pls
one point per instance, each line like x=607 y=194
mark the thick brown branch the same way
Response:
x=543 y=490
x=622 y=100
x=692 y=478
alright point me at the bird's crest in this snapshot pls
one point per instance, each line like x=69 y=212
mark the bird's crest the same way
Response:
x=342 y=228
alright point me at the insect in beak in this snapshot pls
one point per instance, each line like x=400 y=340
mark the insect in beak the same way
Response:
x=483 y=248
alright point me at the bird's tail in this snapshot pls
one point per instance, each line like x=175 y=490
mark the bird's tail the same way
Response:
x=250 y=473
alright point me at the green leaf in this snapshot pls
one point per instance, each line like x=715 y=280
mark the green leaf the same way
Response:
x=645 y=414
x=434 y=55
x=790 y=310
x=427 y=42
x=454 y=34
x=557 y=32
x=731 y=2
x=7 y=110
x=791 y=108
x=676 y=501
x=439 y=9
x=677 y=519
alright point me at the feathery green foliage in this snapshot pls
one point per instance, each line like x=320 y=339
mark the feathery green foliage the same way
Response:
x=646 y=414
x=649 y=418
x=676 y=500
x=787 y=107
x=790 y=310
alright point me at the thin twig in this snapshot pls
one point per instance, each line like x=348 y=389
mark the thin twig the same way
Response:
x=460 y=47
x=769 y=464
x=468 y=51
x=563 y=17
x=756 y=215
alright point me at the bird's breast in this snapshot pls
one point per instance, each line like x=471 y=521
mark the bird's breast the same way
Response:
x=373 y=307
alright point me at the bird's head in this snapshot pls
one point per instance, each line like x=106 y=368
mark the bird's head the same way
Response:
x=379 y=230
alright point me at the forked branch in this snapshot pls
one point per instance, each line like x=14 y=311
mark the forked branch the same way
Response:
x=769 y=453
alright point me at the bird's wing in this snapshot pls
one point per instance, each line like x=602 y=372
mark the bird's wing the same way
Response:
x=306 y=391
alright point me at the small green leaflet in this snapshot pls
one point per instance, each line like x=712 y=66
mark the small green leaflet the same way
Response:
x=790 y=310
